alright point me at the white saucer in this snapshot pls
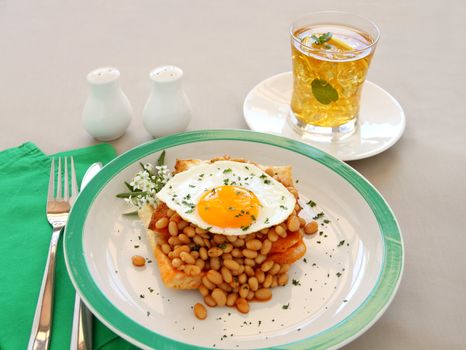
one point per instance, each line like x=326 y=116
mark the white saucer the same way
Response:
x=381 y=118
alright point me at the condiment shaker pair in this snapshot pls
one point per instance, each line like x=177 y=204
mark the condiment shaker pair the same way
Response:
x=108 y=112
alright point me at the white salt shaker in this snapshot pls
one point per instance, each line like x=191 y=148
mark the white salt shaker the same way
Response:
x=167 y=110
x=107 y=112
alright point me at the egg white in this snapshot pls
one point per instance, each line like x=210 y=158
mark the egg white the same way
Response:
x=184 y=190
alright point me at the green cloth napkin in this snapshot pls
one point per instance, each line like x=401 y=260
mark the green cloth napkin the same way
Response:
x=24 y=243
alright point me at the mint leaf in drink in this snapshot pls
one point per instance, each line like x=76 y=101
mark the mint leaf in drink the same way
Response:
x=319 y=40
x=323 y=91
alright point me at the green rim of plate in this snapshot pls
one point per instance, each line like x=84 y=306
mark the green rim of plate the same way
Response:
x=343 y=332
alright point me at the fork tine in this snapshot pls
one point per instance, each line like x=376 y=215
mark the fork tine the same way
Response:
x=65 y=189
x=59 y=184
x=51 y=191
x=74 y=182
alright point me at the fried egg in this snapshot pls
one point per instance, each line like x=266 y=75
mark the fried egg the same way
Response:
x=228 y=197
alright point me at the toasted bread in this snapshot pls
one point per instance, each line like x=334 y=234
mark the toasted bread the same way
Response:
x=284 y=251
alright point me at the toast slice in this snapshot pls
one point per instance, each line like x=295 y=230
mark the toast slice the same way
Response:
x=283 y=251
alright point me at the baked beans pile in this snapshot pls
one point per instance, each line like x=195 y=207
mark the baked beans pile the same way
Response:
x=235 y=270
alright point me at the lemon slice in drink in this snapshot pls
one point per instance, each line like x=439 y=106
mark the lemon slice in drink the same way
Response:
x=340 y=44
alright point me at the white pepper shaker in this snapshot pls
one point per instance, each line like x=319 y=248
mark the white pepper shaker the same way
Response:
x=167 y=110
x=107 y=112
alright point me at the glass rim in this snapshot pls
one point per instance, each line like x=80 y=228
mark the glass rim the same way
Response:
x=311 y=48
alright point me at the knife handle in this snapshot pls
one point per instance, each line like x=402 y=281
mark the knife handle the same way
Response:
x=81 y=333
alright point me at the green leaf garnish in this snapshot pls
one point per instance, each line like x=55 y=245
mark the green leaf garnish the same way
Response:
x=319 y=40
x=323 y=91
x=161 y=160
x=131 y=194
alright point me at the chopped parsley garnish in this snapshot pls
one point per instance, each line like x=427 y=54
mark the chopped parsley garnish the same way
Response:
x=266 y=221
x=311 y=203
x=226 y=171
x=296 y=282
x=319 y=215
x=341 y=243
x=305 y=260
x=244 y=228
x=285 y=307
x=338 y=274
x=326 y=221
x=283 y=207
x=222 y=246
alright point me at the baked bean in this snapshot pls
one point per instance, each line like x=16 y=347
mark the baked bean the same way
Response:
x=260 y=259
x=200 y=311
x=175 y=218
x=170 y=212
x=275 y=268
x=241 y=269
x=184 y=239
x=248 y=271
x=199 y=240
x=282 y=279
x=267 y=265
x=228 y=248
x=242 y=278
x=161 y=223
x=178 y=250
x=214 y=277
x=284 y=268
x=274 y=282
x=272 y=236
x=207 y=242
x=242 y=305
x=203 y=290
x=203 y=253
x=293 y=223
x=170 y=255
x=209 y=301
x=227 y=256
x=311 y=227
x=225 y=286
x=200 y=230
x=266 y=246
x=219 y=239
x=195 y=254
x=264 y=231
x=236 y=253
x=182 y=224
x=174 y=241
x=254 y=244
x=250 y=295
x=231 y=264
x=138 y=260
x=260 y=275
x=253 y=283
x=249 y=262
x=244 y=291
x=192 y=270
x=297 y=208
x=172 y=228
x=263 y=294
x=251 y=254
x=176 y=263
x=200 y=263
x=166 y=248
x=189 y=231
x=231 y=299
x=226 y=274
x=206 y=282
x=238 y=243
x=279 y=230
x=215 y=252
x=267 y=281
x=215 y=263
x=187 y=258
x=231 y=238
x=219 y=296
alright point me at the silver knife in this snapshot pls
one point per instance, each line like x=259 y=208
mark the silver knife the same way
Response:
x=81 y=333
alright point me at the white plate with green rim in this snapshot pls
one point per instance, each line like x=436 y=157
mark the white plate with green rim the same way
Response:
x=345 y=282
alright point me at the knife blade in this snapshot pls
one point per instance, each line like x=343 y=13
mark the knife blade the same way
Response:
x=81 y=332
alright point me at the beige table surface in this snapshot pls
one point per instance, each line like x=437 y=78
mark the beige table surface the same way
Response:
x=225 y=48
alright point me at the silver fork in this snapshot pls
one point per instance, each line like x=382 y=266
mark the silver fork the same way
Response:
x=58 y=208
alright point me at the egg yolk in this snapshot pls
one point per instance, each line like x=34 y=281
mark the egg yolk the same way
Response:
x=228 y=207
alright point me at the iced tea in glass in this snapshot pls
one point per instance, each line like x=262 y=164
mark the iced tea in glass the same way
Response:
x=331 y=53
